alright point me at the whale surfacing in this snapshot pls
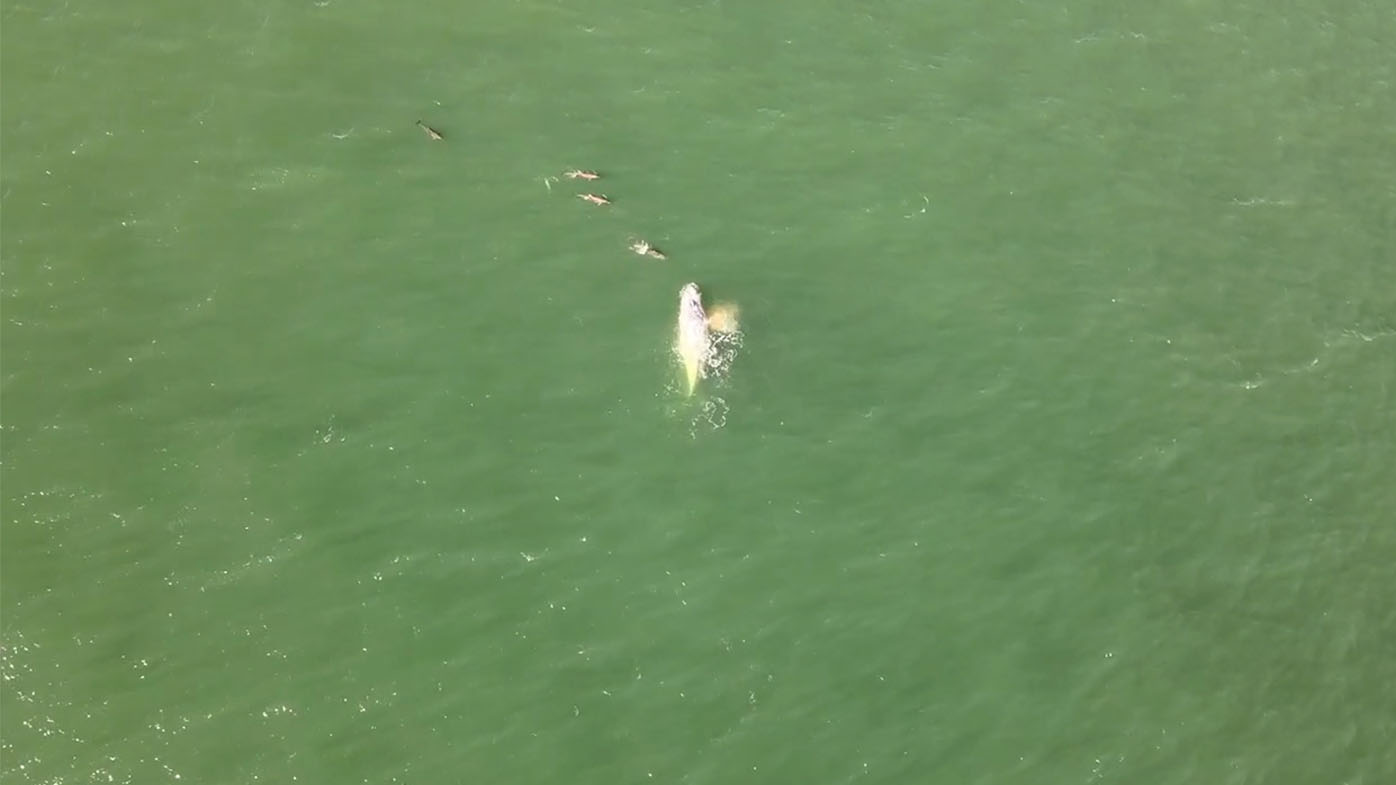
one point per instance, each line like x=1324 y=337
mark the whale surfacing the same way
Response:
x=693 y=344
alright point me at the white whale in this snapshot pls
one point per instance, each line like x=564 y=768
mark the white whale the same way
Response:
x=693 y=342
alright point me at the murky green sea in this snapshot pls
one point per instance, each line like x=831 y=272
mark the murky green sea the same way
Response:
x=1060 y=446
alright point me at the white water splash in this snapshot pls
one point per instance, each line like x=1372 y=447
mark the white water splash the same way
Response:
x=706 y=409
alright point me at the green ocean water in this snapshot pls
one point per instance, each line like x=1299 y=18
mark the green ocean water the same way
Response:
x=1060 y=446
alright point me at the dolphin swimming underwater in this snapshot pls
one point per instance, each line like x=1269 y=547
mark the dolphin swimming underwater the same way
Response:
x=694 y=343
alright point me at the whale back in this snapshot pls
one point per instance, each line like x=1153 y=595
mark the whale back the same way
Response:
x=693 y=342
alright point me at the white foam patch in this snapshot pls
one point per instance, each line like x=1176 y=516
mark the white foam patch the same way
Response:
x=711 y=415
x=722 y=353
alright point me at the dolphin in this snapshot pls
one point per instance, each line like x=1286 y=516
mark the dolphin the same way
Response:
x=431 y=133
x=693 y=344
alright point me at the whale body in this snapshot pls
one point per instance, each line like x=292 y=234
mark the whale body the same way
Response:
x=693 y=344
